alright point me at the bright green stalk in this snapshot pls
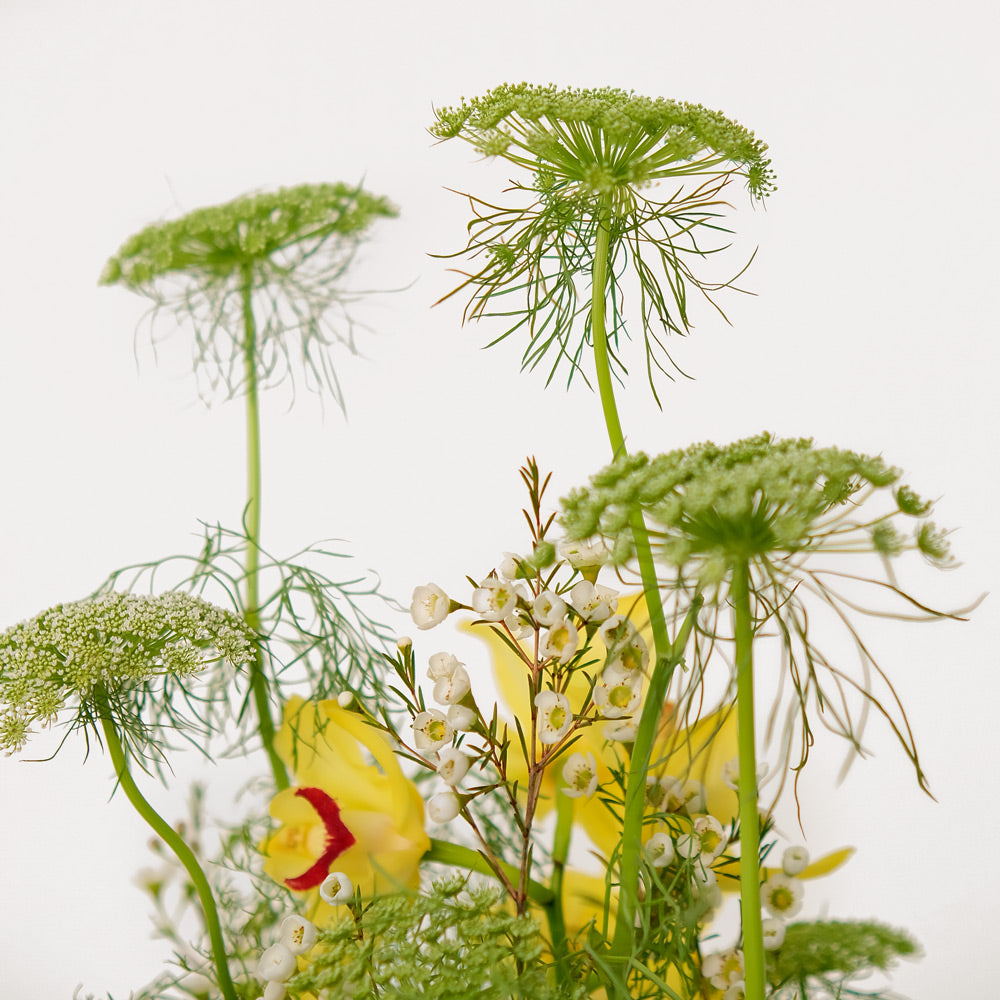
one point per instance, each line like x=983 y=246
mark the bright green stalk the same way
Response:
x=175 y=842
x=666 y=654
x=753 y=940
x=565 y=806
x=465 y=857
x=258 y=682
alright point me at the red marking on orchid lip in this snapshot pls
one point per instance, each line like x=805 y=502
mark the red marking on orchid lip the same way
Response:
x=338 y=839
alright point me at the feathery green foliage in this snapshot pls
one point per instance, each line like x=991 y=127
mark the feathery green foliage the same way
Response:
x=819 y=958
x=436 y=945
x=134 y=651
x=283 y=252
x=593 y=154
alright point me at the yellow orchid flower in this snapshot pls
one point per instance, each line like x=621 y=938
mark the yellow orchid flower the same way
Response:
x=351 y=811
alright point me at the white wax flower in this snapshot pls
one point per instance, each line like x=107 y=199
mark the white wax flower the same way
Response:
x=737 y=991
x=795 y=860
x=555 y=717
x=442 y=665
x=494 y=599
x=453 y=765
x=586 y=553
x=688 y=795
x=336 y=888
x=782 y=895
x=461 y=718
x=297 y=934
x=429 y=606
x=592 y=602
x=616 y=694
x=723 y=968
x=774 y=933
x=548 y=608
x=706 y=840
x=273 y=991
x=580 y=774
x=508 y=565
x=443 y=807
x=431 y=730
x=559 y=641
x=277 y=963
x=659 y=850
x=620 y=731
x=452 y=689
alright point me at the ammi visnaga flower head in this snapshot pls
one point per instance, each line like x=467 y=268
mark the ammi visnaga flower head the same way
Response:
x=252 y=272
x=117 y=655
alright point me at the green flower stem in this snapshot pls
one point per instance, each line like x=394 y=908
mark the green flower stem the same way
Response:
x=258 y=682
x=466 y=857
x=753 y=939
x=175 y=842
x=666 y=654
x=635 y=787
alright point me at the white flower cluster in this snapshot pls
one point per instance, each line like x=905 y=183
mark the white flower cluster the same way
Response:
x=116 y=642
x=278 y=963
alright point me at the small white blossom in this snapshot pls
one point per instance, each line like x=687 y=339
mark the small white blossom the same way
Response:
x=345 y=699
x=443 y=807
x=336 y=888
x=452 y=682
x=620 y=731
x=297 y=934
x=706 y=841
x=431 y=730
x=580 y=774
x=520 y=623
x=592 y=602
x=737 y=991
x=494 y=599
x=586 y=553
x=659 y=850
x=461 y=718
x=277 y=963
x=453 y=765
x=723 y=968
x=430 y=606
x=559 y=641
x=403 y=643
x=273 y=991
x=616 y=694
x=508 y=565
x=782 y=895
x=548 y=608
x=795 y=860
x=731 y=774
x=774 y=933
x=687 y=796
x=555 y=717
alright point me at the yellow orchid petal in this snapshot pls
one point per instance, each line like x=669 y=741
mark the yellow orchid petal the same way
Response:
x=352 y=809
x=728 y=872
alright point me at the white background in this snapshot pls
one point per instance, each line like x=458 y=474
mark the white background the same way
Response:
x=874 y=328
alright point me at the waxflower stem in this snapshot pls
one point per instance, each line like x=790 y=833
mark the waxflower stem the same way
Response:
x=175 y=842
x=560 y=855
x=753 y=941
x=258 y=682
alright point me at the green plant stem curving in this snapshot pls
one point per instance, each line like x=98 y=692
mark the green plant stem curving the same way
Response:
x=251 y=518
x=465 y=857
x=753 y=940
x=175 y=842
x=666 y=654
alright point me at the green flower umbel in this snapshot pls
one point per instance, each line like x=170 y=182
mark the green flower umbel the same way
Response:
x=599 y=160
x=767 y=510
x=274 y=260
x=119 y=649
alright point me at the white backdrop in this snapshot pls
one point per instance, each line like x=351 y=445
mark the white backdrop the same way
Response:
x=874 y=328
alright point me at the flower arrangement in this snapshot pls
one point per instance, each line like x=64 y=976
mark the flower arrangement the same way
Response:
x=580 y=833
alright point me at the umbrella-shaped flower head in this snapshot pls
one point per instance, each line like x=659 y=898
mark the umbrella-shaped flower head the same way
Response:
x=352 y=810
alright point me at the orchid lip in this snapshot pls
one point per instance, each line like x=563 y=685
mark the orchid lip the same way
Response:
x=338 y=839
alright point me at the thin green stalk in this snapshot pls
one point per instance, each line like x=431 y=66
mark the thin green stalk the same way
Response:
x=666 y=654
x=753 y=939
x=258 y=682
x=174 y=841
x=465 y=857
